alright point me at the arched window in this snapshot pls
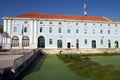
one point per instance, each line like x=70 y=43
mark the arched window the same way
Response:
x=25 y=41
x=15 y=41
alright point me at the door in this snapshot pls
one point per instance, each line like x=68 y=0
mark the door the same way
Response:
x=41 y=42
x=93 y=44
x=116 y=44
x=59 y=43
x=68 y=45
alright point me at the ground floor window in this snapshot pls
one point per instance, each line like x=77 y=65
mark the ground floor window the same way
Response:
x=109 y=44
x=77 y=43
x=15 y=41
x=25 y=41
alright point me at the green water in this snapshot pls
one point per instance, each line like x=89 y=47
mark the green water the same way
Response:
x=52 y=69
x=107 y=60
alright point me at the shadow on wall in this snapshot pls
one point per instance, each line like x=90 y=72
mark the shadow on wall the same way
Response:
x=34 y=67
x=7 y=74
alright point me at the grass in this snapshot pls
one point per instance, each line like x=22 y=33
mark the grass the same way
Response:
x=52 y=69
x=93 y=69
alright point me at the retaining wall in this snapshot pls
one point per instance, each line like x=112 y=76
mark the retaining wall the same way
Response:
x=82 y=50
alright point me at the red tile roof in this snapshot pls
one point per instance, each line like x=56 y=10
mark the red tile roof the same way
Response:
x=54 y=16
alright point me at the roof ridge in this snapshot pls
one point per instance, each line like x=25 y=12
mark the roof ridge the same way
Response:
x=107 y=18
x=63 y=16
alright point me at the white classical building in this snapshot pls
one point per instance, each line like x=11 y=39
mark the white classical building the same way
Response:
x=33 y=30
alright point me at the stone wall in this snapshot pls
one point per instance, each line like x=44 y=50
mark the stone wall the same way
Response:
x=82 y=50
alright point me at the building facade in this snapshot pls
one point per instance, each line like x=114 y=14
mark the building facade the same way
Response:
x=32 y=30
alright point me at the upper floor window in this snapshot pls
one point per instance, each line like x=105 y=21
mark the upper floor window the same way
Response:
x=50 y=22
x=59 y=30
x=115 y=25
x=93 y=31
x=101 y=24
x=85 y=30
x=41 y=22
x=85 y=24
x=101 y=41
x=108 y=24
x=15 y=29
x=25 y=29
x=101 y=31
x=77 y=24
x=77 y=30
x=41 y=29
x=59 y=23
x=68 y=30
x=116 y=30
x=108 y=31
x=25 y=22
x=50 y=29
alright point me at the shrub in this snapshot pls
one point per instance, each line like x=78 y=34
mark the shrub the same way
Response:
x=83 y=66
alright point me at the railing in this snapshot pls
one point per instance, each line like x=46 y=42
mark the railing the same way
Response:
x=19 y=61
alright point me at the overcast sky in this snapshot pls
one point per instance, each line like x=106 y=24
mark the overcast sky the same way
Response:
x=107 y=8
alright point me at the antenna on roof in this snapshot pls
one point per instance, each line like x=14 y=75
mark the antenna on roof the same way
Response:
x=85 y=8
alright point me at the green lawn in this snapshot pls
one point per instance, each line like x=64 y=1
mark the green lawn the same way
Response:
x=52 y=69
x=106 y=60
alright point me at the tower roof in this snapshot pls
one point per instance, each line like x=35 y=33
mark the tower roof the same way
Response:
x=69 y=17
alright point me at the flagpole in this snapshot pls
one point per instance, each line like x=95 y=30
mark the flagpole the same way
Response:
x=85 y=8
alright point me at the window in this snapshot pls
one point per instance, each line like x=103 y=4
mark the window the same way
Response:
x=115 y=25
x=25 y=41
x=85 y=30
x=100 y=24
x=93 y=31
x=93 y=28
x=116 y=30
x=50 y=29
x=50 y=41
x=85 y=24
x=25 y=29
x=41 y=22
x=60 y=23
x=101 y=31
x=59 y=30
x=77 y=43
x=41 y=28
x=101 y=41
x=15 y=41
x=15 y=29
x=77 y=24
x=50 y=22
x=25 y=22
x=68 y=30
x=85 y=41
x=108 y=24
x=77 y=30
x=108 y=31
